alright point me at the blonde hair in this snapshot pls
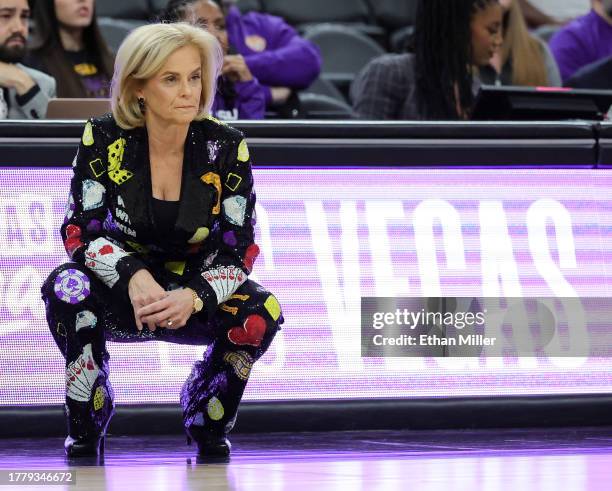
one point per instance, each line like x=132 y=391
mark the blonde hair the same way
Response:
x=144 y=52
x=526 y=51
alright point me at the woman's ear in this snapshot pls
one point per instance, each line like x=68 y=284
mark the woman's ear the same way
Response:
x=138 y=88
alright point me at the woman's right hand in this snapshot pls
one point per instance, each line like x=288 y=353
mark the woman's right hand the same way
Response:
x=236 y=69
x=144 y=290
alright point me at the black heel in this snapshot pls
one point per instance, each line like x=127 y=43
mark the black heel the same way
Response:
x=91 y=439
x=209 y=444
x=84 y=447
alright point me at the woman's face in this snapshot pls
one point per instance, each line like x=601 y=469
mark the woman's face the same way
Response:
x=172 y=95
x=74 y=13
x=208 y=15
x=486 y=33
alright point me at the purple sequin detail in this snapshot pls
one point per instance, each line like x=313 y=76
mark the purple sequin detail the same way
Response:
x=230 y=238
x=109 y=224
x=72 y=286
x=213 y=150
x=94 y=226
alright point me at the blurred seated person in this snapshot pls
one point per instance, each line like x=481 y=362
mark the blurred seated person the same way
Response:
x=276 y=55
x=24 y=92
x=70 y=47
x=552 y=12
x=523 y=59
x=585 y=40
x=597 y=75
x=239 y=94
x=437 y=82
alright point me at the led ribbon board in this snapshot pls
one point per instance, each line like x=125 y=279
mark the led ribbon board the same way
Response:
x=327 y=238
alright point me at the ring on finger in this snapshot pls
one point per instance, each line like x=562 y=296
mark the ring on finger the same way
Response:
x=169 y=322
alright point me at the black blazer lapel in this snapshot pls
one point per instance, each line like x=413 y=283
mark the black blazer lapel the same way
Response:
x=135 y=192
x=200 y=189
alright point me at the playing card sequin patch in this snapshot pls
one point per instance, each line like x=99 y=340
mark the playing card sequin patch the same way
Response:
x=81 y=375
x=224 y=280
x=102 y=257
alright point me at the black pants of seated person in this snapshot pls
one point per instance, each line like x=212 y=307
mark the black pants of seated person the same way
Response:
x=238 y=334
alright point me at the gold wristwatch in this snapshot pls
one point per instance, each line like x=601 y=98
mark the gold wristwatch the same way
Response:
x=198 y=305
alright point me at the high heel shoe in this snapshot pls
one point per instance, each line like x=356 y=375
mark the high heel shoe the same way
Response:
x=209 y=444
x=84 y=447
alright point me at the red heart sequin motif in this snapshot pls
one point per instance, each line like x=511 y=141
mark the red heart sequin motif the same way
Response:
x=107 y=249
x=73 y=231
x=72 y=244
x=251 y=333
x=250 y=255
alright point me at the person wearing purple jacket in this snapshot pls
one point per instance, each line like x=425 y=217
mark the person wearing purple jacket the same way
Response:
x=274 y=52
x=239 y=93
x=585 y=40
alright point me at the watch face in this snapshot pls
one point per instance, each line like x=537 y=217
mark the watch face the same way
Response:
x=198 y=304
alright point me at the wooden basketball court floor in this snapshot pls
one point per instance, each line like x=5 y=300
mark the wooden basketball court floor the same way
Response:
x=557 y=459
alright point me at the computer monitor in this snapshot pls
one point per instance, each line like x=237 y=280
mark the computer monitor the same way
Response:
x=77 y=108
x=540 y=103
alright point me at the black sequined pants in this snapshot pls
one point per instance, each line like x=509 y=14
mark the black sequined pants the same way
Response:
x=82 y=314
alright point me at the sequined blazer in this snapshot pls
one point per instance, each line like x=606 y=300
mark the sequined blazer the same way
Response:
x=110 y=228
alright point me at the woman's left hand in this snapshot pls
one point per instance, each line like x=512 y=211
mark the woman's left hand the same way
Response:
x=172 y=312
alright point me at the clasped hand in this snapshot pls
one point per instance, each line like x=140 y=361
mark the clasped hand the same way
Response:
x=155 y=306
x=13 y=77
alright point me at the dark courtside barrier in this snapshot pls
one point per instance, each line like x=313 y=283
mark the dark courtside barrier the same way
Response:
x=312 y=143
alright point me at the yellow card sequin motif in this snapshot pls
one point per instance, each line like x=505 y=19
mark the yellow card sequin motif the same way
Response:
x=115 y=158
